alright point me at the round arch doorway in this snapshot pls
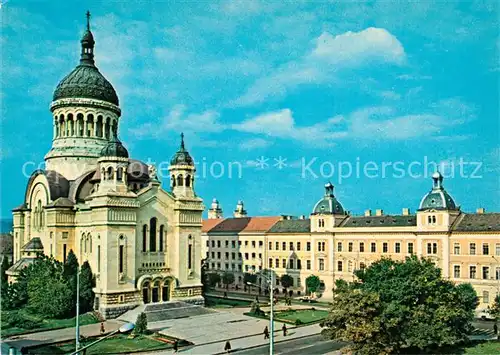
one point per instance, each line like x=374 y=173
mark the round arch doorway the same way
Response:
x=157 y=291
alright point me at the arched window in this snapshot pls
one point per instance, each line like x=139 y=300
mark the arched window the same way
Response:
x=434 y=219
x=90 y=243
x=79 y=120
x=160 y=241
x=155 y=294
x=114 y=129
x=179 y=180
x=190 y=253
x=152 y=234
x=119 y=174
x=109 y=175
x=145 y=292
x=173 y=180
x=71 y=124
x=121 y=254
x=40 y=214
x=188 y=180
x=61 y=126
x=90 y=125
x=144 y=237
x=99 y=126
x=106 y=128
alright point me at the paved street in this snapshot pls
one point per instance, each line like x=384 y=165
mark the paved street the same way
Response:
x=314 y=344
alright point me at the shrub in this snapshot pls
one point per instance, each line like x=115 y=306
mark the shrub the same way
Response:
x=141 y=324
x=298 y=322
x=256 y=311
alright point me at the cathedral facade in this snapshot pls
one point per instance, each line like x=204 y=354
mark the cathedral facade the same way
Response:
x=141 y=240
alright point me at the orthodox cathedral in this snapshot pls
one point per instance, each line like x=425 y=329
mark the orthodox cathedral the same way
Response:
x=142 y=241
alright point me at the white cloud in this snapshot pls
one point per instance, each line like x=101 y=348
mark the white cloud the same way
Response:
x=254 y=143
x=389 y=95
x=413 y=77
x=330 y=54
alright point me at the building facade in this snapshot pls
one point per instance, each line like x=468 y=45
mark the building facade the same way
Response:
x=332 y=244
x=143 y=242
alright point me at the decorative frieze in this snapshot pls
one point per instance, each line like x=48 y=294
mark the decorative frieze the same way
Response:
x=121 y=216
x=62 y=217
x=189 y=217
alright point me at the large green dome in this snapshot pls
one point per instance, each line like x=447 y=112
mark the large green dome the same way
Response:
x=85 y=81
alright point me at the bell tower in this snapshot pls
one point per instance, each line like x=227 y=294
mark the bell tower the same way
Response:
x=182 y=172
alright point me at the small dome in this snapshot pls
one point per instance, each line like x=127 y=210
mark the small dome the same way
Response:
x=114 y=148
x=328 y=204
x=437 y=198
x=182 y=156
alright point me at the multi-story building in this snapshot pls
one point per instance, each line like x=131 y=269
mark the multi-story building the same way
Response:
x=332 y=243
x=142 y=241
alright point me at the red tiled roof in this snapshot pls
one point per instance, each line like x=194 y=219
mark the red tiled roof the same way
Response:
x=208 y=224
x=244 y=224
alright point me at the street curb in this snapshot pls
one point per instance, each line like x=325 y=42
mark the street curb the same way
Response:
x=258 y=346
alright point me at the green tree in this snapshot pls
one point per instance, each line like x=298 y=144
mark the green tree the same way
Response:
x=87 y=283
x=4 y=267
x=141 y=324
x=312 y=283
x=494 y=311
x=400 y=307
x=286 y=281
x=213 y=279
x=227 y=278
x=249 y=278
x=49 y=293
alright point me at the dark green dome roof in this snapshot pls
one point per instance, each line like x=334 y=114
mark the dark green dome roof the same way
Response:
x=114 y=148
x=328 y=204
x=182 y=156
x=85 y=81
x=437 y=198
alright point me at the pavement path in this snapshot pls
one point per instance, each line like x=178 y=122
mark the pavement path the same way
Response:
x=60 y=335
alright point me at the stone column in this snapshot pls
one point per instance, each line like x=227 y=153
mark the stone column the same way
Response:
x=55 y=128
x=84 y=126
x=95 y=127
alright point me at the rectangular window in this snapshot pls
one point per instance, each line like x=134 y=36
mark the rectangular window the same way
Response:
x=190 y=257
x=227 y=243
x=277 y=245
x=486 y=297
x=299 y=264
x=65 y=235
x=283 y=246
x=253 y=243
x=227 y=266
x=308 y=264
x=50 y=249
x=98 y=258
x=321 y=264
x=270 y=246
x=339 y=265
x=472 y=272
x=240 y=256
x=218 y=255
x=239 y=267
x=374 y=248
x=233 y=256
x=319 y=246
x=246 y=243
x=397 y=247
x=362 y=266
x=239 y=243
x=213 y=243
x=298 y=246
x=339 y=246
x=260 y=255
x=323 y=246
x=246 y=256
x=64 y=252
x=270 y=262
x=350 y=247
x=385 y=247
x=227 y=255
x=283 y=263
x=253 y=255
x=429 y=248
x=261 y=243
x=213 y=266
x=208 y=243
x=218 y=244
x=291 y=245
x=410 y=248
x=361 y=247
x=246 y=268
x=291 y=264
x=308 y=246
x=497 y=272
x=456 y=271
x=233 y=267
x=120 y=260
x=277 y=262
x=486 y=249
x=486 y=272
x=497 y=249
x=434 y=248
x=233 y=243
x=472 y=248
x=213 y=255
x=456 y=248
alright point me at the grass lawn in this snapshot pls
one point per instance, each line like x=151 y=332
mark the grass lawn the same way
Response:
x=304 y=315
x=27 y=322
x=486 y=348
x=119 y=343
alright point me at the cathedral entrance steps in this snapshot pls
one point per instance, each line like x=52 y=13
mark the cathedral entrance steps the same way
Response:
x=158 y=312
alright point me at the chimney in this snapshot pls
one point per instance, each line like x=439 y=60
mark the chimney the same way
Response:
x=480 y=210
x=406 y=211
x=379 y=212
x=368 y=213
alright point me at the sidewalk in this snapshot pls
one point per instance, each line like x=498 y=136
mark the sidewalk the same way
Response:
x=59 y=335
x=245 y=342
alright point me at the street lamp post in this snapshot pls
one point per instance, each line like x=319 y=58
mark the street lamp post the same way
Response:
x=77 y=342
x=271 y=315
x=125 y=328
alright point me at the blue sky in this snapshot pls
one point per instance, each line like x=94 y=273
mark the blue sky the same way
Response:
x=323 y=83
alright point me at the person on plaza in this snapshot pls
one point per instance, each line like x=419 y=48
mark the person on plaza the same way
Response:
x=102 y=328
x=227 y=347
x=284 y=330
x=176 y=346
x=495 y=328
x=266 y=333
x=225 y=294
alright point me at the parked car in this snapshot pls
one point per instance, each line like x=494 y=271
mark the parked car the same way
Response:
x=484 y=314
x=308 y=299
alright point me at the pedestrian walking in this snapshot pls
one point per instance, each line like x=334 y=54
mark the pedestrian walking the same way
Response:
x=227 y=347
x=284 y=330
x=495 y=328
x=102 y=328
x=266 y=333
x=176 y=346
x=225 y=294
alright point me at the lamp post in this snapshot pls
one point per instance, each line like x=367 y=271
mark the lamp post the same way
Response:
x=125 y=328
x=77 y=331
x=271 y=316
